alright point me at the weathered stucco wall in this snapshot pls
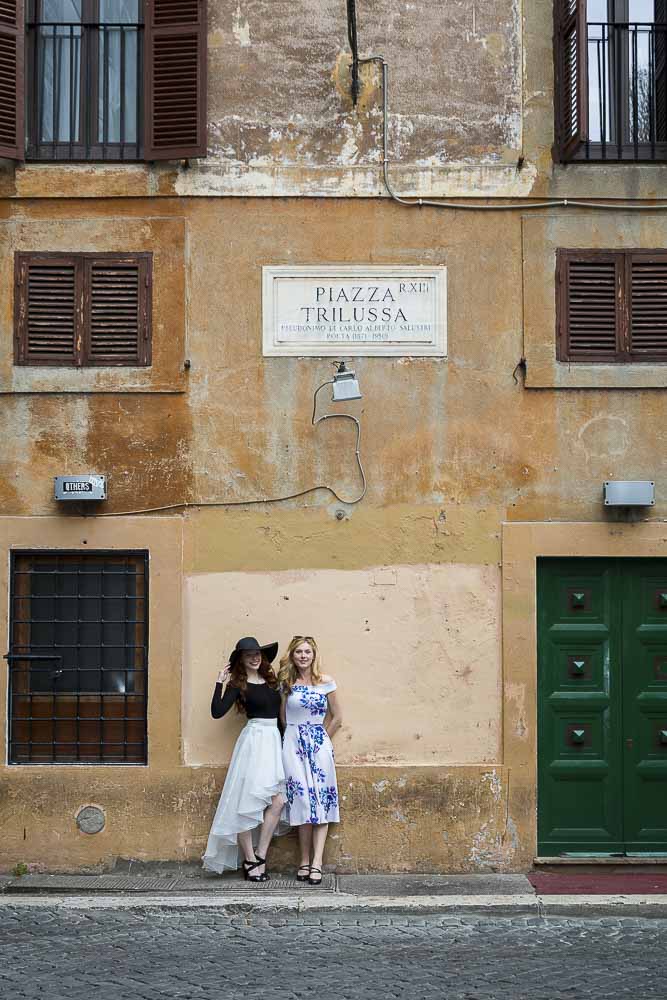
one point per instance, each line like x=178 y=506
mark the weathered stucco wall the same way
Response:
x=414 y=651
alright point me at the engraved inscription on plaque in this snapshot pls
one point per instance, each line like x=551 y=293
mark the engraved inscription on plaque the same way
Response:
x=344 y=311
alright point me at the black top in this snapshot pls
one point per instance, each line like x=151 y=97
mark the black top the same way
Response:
x=261 y=701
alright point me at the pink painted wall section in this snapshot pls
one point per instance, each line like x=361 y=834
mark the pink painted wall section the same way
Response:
x=414 y=649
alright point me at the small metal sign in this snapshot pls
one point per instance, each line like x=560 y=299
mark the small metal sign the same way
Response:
x=81 y=487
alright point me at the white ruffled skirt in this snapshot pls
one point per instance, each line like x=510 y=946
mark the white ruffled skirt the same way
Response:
x=255 y=775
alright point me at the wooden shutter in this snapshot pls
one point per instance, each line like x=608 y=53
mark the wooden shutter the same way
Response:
x=571 y=79
x=83 y=309
x=590 y=318
x=117 y=310
x=648 y=306
x=175 y=79
x=47 y=296
x=12 y=79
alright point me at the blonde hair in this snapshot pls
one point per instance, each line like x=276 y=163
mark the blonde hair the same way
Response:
x=288 y=675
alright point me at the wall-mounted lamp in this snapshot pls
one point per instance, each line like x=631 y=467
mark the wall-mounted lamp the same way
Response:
x=345 y=385
x=624 y=493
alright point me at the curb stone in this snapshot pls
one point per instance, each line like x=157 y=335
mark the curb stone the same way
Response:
x=514 y=906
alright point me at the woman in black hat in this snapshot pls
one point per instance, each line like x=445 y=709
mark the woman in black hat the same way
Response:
x=253 y=795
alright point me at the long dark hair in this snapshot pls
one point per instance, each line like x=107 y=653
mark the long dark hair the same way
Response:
x=239 y=678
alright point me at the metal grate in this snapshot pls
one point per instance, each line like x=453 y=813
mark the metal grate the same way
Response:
x=78 y=658
x=83 y=884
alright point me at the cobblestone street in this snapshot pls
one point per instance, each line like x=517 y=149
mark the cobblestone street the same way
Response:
x=140 y=953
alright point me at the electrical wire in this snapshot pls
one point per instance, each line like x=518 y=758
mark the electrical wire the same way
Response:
x=467 y=206
x=184 y=505
x=354 y=46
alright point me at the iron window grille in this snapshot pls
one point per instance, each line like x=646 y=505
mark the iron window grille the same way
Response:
x=85 y=66
x=78 y=658
x=611 y=80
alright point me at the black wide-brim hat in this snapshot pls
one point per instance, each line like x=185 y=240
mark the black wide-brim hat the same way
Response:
x=250 y=645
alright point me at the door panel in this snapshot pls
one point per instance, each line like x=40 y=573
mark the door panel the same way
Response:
x=645 y=707
x=580 y=800
x=602 y=715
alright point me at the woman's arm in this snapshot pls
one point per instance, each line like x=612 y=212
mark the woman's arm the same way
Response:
x=334 y=717
x=221 y=704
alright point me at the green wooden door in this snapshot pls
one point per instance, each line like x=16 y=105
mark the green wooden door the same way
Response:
x=602 y=706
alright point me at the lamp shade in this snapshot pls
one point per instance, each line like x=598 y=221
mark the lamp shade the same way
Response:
x=345 y=386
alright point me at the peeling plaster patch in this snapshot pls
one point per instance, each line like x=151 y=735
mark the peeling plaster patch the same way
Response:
x=492 y=778
x=241 y=28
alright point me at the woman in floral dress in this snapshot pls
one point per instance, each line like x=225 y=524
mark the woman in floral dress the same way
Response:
x=311 y=715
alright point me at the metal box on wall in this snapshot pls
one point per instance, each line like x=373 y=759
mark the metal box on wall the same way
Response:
x=90 y=487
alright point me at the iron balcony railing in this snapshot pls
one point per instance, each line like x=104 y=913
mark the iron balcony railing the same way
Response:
x=85 y=100
x=626 y=75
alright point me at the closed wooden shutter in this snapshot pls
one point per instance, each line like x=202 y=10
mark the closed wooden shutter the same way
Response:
x=589 y=320
x=12 y=139
x=45 y=306
x=648 y=307
x=571 y=91
x=83 y=309
x=612 y=306
x=175 y=79
x=116 y=318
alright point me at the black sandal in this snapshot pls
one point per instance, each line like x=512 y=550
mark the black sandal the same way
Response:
x=303 y=878
x=315 y=881
x=249 y=866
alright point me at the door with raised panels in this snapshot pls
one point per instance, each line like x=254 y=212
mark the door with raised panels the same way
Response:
x=602 y=706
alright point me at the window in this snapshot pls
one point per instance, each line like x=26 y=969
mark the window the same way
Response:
x=611 y=79
x=611 y=306
x=90 y=310
x=107 y=80
x=84 y=72
x=78 y=658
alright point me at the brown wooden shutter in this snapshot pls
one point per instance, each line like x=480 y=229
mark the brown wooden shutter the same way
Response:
x=83 y=309
x=12 y=80
x=45 y=306
x=117 y=310
x=648 y=306
x=175 y=79
x=571 y=83
x=590 y=317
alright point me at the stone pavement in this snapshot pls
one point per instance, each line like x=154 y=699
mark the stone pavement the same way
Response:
x=148 y=952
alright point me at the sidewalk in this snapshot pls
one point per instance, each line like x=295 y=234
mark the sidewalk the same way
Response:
x=186 y=887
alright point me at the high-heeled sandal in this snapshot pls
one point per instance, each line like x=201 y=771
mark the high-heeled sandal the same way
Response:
x=262 y=861
x=315 y=881
x=303 y=878
x=249 y=867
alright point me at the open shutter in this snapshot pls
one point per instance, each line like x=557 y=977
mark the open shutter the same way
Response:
x=117 y=310
x=590 y=318
x=47 y=300
x=571 y=94
x=12 y=44
x=175 y=79
x=648 y=307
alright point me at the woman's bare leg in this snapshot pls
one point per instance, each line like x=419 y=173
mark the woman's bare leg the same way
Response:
x=271 y=817
x=319 y=839
x=305 y=844
x=245 y=843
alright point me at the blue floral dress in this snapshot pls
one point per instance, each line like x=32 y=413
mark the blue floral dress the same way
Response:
x=308 y=757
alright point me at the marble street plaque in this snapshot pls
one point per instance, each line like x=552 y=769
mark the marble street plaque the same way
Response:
x=345 y=311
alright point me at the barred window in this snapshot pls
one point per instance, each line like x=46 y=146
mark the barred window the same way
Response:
x=78 y=663
x=102 y=80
